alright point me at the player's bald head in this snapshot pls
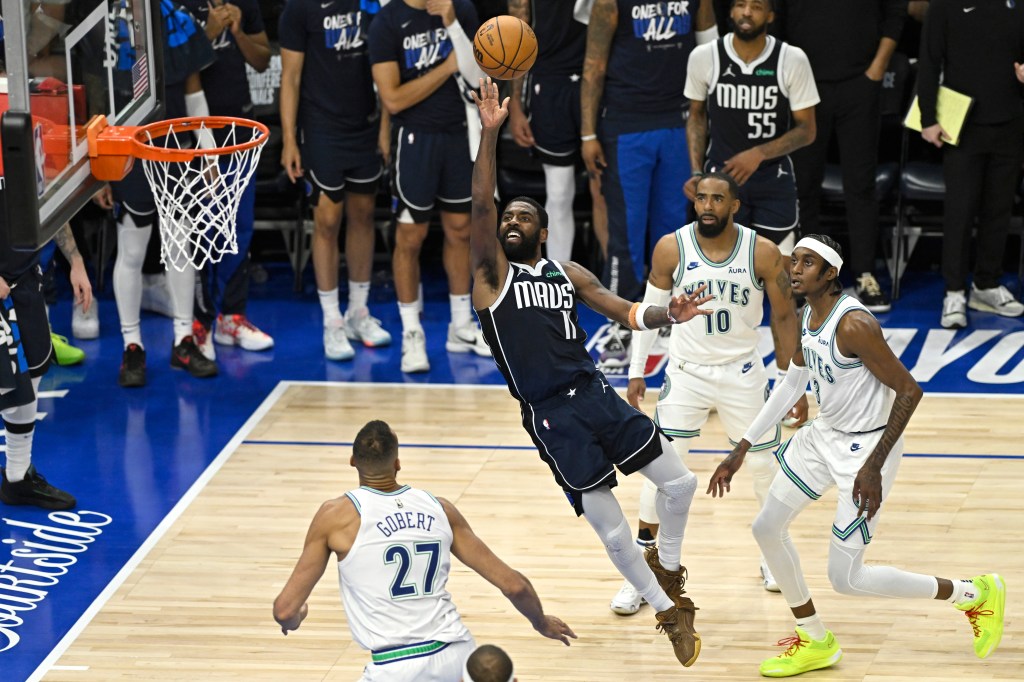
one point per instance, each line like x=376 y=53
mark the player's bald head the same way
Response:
x=488 y=664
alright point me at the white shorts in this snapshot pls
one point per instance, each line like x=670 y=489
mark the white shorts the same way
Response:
x=818 y=457
x=444 y=665
x=736 y=390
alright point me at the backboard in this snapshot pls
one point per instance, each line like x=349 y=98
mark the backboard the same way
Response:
x=66 y=62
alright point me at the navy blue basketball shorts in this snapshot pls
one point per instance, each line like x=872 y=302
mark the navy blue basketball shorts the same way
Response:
x=33 y=325
x=338 y=162
x=768 y=201
x=134 y=195
x=429 y=169
x=587 y=431
x=553 y=105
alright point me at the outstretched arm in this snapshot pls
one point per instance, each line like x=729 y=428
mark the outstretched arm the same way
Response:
x=636 y=316
x=769 y=266
x=859 y=335
x=489 y=263
x=471 y=550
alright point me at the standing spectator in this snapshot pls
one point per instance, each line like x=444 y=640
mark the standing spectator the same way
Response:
x=235 y=30
x=327 y=103
x=757 y=95
x=417 y=47
x=544 y=114
x=849 y=45
x=394 y=546
x=982 y=172
x=632 y=108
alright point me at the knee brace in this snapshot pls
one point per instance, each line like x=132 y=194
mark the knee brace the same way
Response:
x=679 y=493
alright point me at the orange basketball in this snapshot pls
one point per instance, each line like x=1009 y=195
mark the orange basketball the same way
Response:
x=505 y=47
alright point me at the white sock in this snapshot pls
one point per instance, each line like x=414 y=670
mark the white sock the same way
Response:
x=329 y=305
x=358 y=295
x=813 y=626
x=462 y=313
x=19 y=445
x=182 y=286
x=964 y=592
x=560 y=187
x=410 y=314
x=131 y=252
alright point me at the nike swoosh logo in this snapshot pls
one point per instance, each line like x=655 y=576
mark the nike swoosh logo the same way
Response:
x=692 y=266
x=969 y=9
x=325 y=5
x=406 y=23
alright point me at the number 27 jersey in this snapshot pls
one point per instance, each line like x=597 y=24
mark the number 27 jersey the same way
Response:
x=394 y=579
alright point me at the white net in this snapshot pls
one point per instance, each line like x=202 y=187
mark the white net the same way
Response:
x=197 y=200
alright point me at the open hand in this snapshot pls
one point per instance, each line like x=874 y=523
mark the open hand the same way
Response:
x=720 y=481
x=493 y=111
x=684 y=306
x=554 y=628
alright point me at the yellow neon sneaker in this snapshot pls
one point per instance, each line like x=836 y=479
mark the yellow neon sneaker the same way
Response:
x=802 y=655
x=65 y=353
x=986 y=613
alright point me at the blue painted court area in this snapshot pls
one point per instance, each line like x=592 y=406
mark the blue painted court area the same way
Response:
x=130 y=455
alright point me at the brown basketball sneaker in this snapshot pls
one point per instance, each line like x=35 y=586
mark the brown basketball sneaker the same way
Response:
x=677 y=623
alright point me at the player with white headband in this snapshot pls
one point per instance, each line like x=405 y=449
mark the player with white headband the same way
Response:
x=866 y=397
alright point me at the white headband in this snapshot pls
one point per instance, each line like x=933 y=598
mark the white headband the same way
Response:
x=466 y=677
x=822 y=249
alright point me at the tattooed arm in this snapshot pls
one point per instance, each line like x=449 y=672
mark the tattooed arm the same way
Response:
x=600 y=31
x=65 y=241
x=860 y=336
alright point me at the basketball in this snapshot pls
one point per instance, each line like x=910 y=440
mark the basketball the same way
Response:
x=505 y=47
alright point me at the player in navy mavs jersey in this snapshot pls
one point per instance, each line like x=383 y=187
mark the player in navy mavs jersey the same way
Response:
x=756 y=94
x=632 y=108
x=582 y=429
x=327 y=97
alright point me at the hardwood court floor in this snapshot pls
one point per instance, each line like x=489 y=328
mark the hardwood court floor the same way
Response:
x=198 y=606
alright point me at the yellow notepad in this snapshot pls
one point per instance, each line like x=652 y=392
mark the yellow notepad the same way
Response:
x=951 y=110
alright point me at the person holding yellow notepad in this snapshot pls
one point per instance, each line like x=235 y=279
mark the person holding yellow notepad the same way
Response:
x=983 y=169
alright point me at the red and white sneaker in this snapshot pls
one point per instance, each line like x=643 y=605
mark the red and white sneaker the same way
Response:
x=203 y=340
x=237 y=330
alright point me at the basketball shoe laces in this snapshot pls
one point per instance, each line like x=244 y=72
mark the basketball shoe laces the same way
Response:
x=793 y=645
x=975 y=613
x=242 y=322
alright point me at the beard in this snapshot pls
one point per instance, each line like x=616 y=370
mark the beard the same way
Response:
x=526 y=249
x=714 y=229
x=752 y=34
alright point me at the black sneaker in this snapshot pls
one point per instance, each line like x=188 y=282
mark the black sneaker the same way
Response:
x=133 y=367
x=871 y=294
x=34 y=490
x=186 y=355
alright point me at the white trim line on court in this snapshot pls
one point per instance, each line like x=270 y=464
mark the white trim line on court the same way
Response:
x=158 y=533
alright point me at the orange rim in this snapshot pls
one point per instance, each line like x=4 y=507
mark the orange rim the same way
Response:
x=142 y=148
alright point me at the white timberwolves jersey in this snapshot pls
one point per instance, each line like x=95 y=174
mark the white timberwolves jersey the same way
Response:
x=851 y=398
x=393 y=579
x=730 y=332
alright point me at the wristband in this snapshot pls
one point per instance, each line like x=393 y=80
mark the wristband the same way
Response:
x=668 y=314
x=697 y=174
x=587 y=138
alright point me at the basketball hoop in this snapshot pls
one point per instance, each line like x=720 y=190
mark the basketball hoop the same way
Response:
x=196 y=189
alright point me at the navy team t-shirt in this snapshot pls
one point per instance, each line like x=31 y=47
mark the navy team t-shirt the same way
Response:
x=419 y=42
